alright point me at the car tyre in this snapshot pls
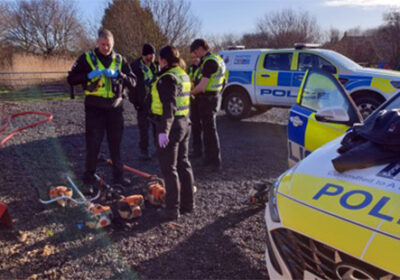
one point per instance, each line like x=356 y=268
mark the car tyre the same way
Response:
x=237 y=105
x=366 y=104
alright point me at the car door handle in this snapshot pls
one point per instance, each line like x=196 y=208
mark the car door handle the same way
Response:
x=299 y=78
x=265 y=75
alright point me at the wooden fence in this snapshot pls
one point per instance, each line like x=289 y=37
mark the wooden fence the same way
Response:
x=23 y=86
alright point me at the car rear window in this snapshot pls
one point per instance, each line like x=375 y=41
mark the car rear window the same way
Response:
x=278 y=61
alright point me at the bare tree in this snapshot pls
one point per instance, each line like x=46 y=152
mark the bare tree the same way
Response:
x=5 y=48
x=44 y=26
x=4 y=19
x=132 y=26
x=218 y=43
x=175 y=20
x=255 y=40
x=333 y=36
x=286 y=27
x=355 y=44
x=386 y=39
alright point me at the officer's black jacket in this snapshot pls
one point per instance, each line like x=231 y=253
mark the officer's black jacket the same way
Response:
x=167 y=87
x=79 y=71
x=210 y=67
x=138 y=94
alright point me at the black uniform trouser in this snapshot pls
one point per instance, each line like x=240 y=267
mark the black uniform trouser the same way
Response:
x=176 y=168
x=144 y=125
x=209 y=106
x=197 y=129
x=98 y=122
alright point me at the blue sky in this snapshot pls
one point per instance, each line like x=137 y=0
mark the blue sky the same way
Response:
x=220 y=17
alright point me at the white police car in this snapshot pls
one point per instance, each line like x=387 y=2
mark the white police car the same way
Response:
x=323 y=224
x=264 y=78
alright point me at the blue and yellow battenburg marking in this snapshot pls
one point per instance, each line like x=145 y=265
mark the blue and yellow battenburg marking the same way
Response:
x=360 y=220
x=293 y=79
x=302 y=128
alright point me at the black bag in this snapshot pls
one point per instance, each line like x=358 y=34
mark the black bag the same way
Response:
x=375 y=142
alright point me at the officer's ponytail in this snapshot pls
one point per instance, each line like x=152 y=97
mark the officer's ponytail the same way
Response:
x=172 y=56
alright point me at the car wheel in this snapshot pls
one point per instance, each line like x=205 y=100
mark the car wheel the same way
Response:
x=366 y=104
x=237 y=105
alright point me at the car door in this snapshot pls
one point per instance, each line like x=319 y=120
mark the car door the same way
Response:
x=308 y=61
x=273 y=79
x=320 y=92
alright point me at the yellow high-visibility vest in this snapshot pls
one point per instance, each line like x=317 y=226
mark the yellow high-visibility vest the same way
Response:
x=183 y=97
x=216 y=81
x=148 y=75
x=102 y=86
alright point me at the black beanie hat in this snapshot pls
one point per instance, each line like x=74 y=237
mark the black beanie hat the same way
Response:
x=148 y=49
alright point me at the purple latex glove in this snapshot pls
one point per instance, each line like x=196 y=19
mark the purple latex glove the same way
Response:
x=163 y=140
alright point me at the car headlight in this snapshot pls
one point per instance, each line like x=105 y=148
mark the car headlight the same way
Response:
x=273 y=193
x=395 y=84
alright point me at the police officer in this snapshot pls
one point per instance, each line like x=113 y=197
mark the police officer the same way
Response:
x=145 y=70
x=170 y=107
x=212 y=70
x=197 y=130
x=104 y=74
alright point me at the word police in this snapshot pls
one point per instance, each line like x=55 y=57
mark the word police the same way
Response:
x=277 y=92
x=364 y=199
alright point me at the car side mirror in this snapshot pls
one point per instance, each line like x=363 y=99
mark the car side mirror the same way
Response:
x=329 y=68
x=333 y=114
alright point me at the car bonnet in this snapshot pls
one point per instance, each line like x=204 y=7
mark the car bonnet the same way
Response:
x=357 y=211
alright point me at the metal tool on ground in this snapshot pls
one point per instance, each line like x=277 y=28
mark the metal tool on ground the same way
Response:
x=155 y=186
x=130 y=207
x=60 y=191
x=258 y=195
x=100 y=215
x=82 y=200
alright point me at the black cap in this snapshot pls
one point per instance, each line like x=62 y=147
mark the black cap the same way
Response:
x=148 y=49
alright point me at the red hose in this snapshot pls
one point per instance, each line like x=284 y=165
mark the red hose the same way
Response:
x=48 y=116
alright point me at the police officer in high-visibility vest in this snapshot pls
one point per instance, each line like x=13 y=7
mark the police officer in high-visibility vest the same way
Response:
x=212 y=71
x=145 y=68
x=104 y=75
x=170 y=108
x=197 y=130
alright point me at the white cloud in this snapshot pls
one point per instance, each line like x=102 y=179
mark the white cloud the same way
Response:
x=362 y=3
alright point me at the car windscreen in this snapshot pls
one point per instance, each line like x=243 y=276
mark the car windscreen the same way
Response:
x=342 y=61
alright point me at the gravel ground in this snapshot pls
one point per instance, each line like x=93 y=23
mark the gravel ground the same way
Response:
x=223 y=239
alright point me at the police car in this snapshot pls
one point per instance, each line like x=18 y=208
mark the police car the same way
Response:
x=264 y=78
x=323 y=224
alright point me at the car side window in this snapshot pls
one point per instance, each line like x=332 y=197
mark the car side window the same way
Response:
x=321 y=92
x=278 y=61
x=309 y=61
